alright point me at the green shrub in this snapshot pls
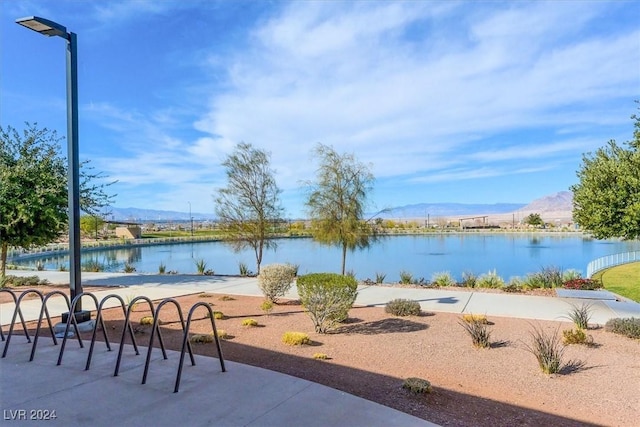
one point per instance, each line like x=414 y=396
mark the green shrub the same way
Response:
x=580 y=315
x=22 y=281
x=129 y=268
x=275 y=280
x=547 y=277
x=490 y=280
x=478 y=329
x=442 y=279
x=515 y=285
x=146 y=320
x=469 y=280
x=266 y=306
x=576 y=336
x=629 y=326
x=296 y=338
x=201 y=266
x=417 y=385
x=243 y=269
x=93 y=266
x=403 y=307
x=162 y=268
x=406 y=278
x=380 y=277
x=571 y=274
x=327 y=297
x=320 y=356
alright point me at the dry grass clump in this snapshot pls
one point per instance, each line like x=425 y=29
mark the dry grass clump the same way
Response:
x=206 y=295
x=320 y=356
x=417 y=385
x=469 y=318
x=226 y=298
x=576 y=336
x=222 y=334
x=146 y=320
x=478 y=330
x=296 y=338
x=201 y=338
x=249 y=322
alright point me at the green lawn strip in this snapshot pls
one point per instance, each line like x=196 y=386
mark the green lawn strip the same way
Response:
x=623 y=280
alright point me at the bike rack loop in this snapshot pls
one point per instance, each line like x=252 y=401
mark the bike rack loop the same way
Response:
x=16 y=312
x=185 y=341
x=15 y=298
x=72 y=318
x=155 y=327
x=127 y=321
x=44 y=310
x=100 y=320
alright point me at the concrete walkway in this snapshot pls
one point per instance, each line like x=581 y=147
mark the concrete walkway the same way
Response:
x=242 y=396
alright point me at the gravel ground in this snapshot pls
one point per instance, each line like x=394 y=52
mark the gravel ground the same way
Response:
x=372 y=353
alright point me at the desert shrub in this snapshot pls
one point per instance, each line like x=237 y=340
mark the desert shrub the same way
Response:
x=93 y=266
x=146 y=320
x=206 y=295
x=478 y=330
x=296 y=338
x=266 y=306
x=327 y=297
x=162 y=268
x=22 y=281
x=582 y=284
x=551 y=277
x=62 y=267
x=469 y=280
x=243 y=269
x=490 y=280
x=223 y=335
x=201 y=266
x=249 y=322
x=417 y=385
x=580 y=315
x=515 y=285
x=406 y=278
x=442 y=279
x=201 y=338
x=548 y=350
x=380 y=277
x=320 y=356
x=628 y=326
x=576 y=336
x=570 y=274
x=226 y=298
x=533 y=281
x=275 y=280
x=469 y=317
x=403 y=307
x=218 y=315
x=129 y=268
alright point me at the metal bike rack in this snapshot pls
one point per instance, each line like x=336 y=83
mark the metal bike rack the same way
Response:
x=155 y=328
x=17 y=312
x=72 y=318
x=100 y=320
x=185 y=341
x=127 y=325
x=45 y=311
x=15 y=298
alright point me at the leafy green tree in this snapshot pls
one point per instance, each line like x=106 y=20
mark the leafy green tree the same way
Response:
x=33 y=189
x=249 y=208
x=337 y=200
x=90 y=224
x=606 y=201
x=534 y=219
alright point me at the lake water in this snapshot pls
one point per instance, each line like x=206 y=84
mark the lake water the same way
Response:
x=421 y=255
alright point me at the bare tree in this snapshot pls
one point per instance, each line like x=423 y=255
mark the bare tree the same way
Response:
x=248 y=208
x=337 y=201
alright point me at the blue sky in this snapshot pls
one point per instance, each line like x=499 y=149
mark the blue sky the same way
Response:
x=471 y=102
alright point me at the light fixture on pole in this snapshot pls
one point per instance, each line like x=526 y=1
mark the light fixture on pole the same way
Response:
x=50 y=28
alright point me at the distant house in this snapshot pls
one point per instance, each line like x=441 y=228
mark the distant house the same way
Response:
x=129 y=232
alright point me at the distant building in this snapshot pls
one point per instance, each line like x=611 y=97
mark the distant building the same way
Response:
x=129 y=232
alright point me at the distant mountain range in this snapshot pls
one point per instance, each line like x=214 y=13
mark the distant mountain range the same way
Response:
x=561 y=203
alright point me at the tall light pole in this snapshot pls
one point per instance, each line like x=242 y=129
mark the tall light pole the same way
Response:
x=50 y=28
